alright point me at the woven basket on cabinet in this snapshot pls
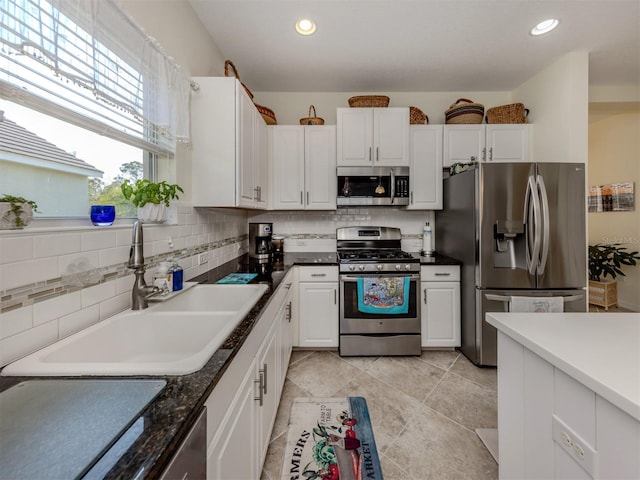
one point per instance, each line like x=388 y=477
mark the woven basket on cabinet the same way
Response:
x=417 y=116
x=229 y=63
x=464 y=111
x=369 y=101
x=312 y=119
x=511 y=113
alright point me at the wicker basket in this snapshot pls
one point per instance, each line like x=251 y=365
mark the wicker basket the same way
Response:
x=369 y=101
x=229 y=63
x=312 y=119
x=267 y=114
x=511 y=113
x=464 y=111
x=417 y=116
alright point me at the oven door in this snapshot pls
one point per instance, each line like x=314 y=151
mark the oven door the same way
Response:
x=354 y=321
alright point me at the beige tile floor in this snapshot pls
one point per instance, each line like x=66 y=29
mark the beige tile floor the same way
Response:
x=424 y=410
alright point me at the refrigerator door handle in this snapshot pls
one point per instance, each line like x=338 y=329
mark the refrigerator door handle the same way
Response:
x=532 y=216
x=507 y=298
x=544 y=201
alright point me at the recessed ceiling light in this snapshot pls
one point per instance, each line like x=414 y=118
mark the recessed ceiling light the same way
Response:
x=544 y=27
x=305 y=26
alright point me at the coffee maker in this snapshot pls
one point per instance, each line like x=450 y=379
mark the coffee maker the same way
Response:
x=260 y=244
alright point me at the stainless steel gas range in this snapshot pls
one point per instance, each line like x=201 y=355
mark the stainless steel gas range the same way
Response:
x=379 y=293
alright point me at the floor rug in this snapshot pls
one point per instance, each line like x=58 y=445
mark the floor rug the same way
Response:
x=330 y=439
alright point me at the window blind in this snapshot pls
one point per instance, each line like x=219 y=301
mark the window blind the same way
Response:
x=87 y=62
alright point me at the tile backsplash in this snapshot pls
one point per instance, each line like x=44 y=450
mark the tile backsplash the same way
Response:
x=54 y=283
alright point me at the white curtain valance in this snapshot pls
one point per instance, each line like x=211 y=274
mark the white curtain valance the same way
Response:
x=51 y=47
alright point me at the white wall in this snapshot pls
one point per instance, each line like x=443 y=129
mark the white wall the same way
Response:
x=558 y=98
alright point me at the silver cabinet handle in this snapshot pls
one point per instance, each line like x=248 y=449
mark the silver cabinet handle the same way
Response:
x=307 y=198
x=473 y=158
x=377 y=154
x=484 y=153
x=335 y=296
x=442 y=274
x=265 y=382
x=260 y=382
x=288 y=310
x=318 y=274
x=288 y=286
x=370 y=159
x=425 y=296
x=491 y=154
x=301 y=198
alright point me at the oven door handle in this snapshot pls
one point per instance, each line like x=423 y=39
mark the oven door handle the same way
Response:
x=412 y=276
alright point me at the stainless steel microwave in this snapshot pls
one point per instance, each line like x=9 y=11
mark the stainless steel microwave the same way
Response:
x=373 y=186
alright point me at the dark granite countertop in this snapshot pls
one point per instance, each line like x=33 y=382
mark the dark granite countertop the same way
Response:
x=145 y=449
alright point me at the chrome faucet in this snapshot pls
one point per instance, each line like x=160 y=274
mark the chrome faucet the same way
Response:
x=141 y=291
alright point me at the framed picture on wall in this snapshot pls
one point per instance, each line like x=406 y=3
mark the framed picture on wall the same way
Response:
x=613 y=197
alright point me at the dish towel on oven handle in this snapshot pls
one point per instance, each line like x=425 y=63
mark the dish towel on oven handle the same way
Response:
x=537 y=304
x=383 y=295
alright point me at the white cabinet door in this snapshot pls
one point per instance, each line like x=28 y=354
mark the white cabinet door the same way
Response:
x=320 y=182
x=372 y=137
x=261 y=170
x=286 y=150
x=318 y=307
x=303 y=160
x=354 y=137
x=463 y=143
x=233 y=452
x=268 y=375
x=440 y=305
x=247 y=151
x=440 y=314
x=228 y=146
x=426 y=167
x=391 y=136
x=508 y=143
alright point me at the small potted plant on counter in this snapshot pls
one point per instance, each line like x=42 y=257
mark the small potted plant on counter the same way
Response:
x=16 y=212
x=607 y=260
x=151 y=198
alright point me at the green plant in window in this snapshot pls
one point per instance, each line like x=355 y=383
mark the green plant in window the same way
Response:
x=144 y=191
x=16 y=209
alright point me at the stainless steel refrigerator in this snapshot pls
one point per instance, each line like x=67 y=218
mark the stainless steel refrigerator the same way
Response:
x=519 y=230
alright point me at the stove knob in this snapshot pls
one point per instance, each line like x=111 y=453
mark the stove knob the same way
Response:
x=361 y=267
x=398 y=267
x=379 y=267
x=407 y=267
x=352 y=268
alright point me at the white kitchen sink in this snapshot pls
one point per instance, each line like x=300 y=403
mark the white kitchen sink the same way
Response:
x=215 y=298
x=176 y=337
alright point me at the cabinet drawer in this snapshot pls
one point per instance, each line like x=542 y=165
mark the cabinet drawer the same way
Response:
x=440 y=273
x=318 y=274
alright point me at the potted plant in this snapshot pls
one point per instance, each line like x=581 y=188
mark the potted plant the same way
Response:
x=607 y=260
x=16 y=212
x=151 y=198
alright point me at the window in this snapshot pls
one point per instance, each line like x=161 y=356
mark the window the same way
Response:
x=88 y=100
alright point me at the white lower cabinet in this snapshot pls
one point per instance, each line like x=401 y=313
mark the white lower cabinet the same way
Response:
x=318 y=307
x=440 y=313
x=245 y=401
x=550 y=425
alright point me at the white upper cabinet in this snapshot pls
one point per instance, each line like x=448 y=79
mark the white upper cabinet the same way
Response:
x=486 y=143
x=426 y=167
x=373 y=137
x=303 y=167
x=229 y=148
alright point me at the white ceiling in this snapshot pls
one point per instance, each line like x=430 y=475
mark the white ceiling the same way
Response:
x=419 y=45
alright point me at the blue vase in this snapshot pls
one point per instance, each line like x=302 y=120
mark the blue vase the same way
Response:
x=103 y=215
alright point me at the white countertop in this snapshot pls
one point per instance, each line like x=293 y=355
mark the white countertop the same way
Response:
x=599 y=350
